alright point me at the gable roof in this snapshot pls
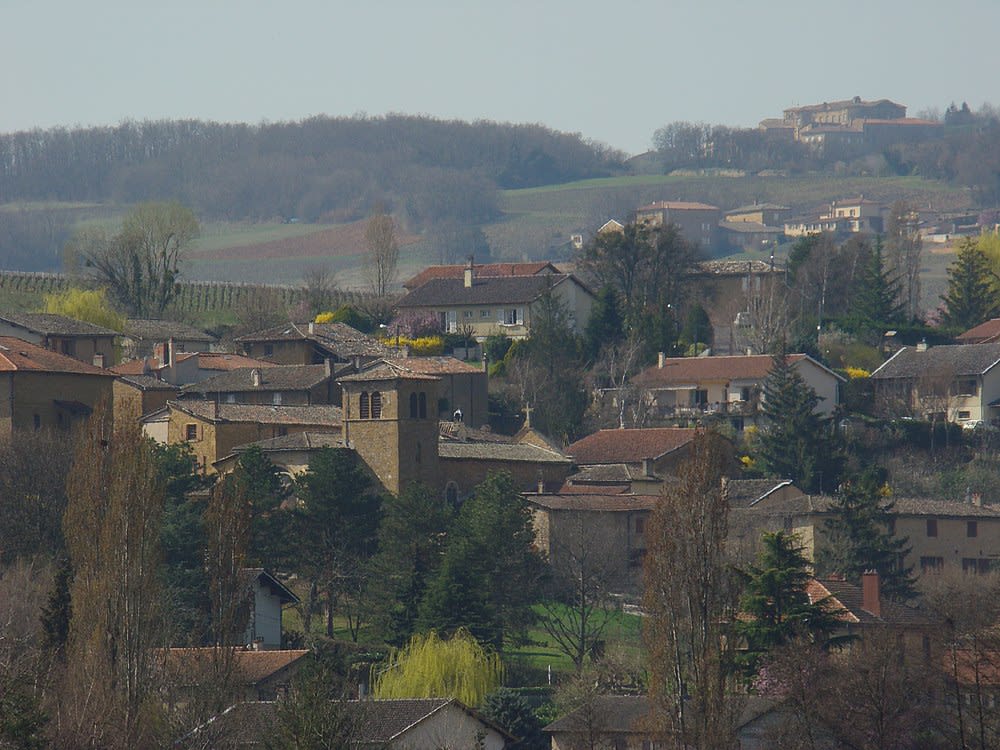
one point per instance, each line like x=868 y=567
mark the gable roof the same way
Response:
x=280 y=378
x=299 y=441
x=457 y=271
x=677 y=206
x=753 y=207
x=694 y=370
x=496 y=451
x=984 y=333
x=629 y=446
x=338 y=338
x=747 y=492
x=249 y=667
x=325 y=415
x=849 y=597
x=434 y=365
x=497 y=290
x=950 y=361
x=147 y=383
x=146 y=329
x=18 y=355
x=49 y=324
x=593 y=501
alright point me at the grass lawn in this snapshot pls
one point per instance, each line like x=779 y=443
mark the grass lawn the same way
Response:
x=216 y=235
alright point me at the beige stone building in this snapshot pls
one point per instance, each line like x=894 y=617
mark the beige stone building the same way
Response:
x=46 y=390
x=137 y=395
x=86 y=342
x=213 y=430
x=697 y=222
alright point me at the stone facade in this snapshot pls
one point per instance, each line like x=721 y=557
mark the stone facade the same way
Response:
x=50 y=400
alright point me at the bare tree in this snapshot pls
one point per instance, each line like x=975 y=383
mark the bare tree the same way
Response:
x=767 y=319
x=320 y=284
x=904 y=249
x=690 y=592
x=382 y=258
x=578 y=605
x=141 y=263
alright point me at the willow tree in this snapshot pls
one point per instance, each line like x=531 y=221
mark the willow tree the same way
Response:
x=112 y=530
x=429 y=667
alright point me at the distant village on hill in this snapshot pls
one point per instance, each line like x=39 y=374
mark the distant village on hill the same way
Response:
x=718 y=475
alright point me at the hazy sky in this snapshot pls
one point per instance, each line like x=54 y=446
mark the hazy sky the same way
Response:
x=613 y=71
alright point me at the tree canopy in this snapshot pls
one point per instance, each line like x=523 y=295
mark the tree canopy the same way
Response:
x=972 y=296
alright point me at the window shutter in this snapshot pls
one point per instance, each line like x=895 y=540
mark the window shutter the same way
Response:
x=500 y=315
x=520 y=316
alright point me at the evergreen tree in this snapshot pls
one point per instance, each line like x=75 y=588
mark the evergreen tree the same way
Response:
x=795 y=441
x=875 y=307
x=606 y=325
x=776 y=601
x=411 y=545
x=508 y=709
x=270 y=527
x=490 y=572
x=972 y=298
x=860 y=538
x=338 y=524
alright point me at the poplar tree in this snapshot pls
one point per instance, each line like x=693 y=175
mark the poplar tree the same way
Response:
x=112 y=530
x=972 y=296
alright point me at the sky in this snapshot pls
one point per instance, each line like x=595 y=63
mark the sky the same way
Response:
x=611 y=71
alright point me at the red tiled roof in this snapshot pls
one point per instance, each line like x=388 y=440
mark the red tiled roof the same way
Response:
x=486 y=269
x=18 y=355
x=227 y=361
x=629 y=446
x=984 y=333
x=693 y=370
x=972 y=667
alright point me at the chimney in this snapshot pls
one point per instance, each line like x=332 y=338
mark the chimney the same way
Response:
x=871 y=593
x=922 y=346
x=977 y=499
x=312 y=327
x=541 y=486
x=327 y=367
x=168 y=360
x=661 y=358
x=255 y=378
x=470 y=272
x=647 y=467
x=99 y=360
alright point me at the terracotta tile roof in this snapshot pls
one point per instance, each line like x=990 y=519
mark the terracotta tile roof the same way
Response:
x=496 y=290
x=145 y=329
x=949 y=361
x=227 y=361
x=325 y=416
x=383 y=370
x=338 y=338
x=18 y=355
x=434 y=365
x=629 y=446
x=973 y=666
x=481 y=270
x=249 y=667
x=678 y=206
x=461 y=433
x=518 y=452
x=148 y=383
x=281 y=378
x=984 y=333
x=589 y=501
x=300 y=441
x=746 y=492
x=849 y=597
x=594 y=489
x=604 y=473
x=49 y=324
x=677 y=371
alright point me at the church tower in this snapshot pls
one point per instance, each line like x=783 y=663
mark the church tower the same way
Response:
x=391 y=422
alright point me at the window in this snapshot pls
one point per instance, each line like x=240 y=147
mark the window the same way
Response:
x=972 y=529
x=964 y=414
x=640 y=526
x=513 y=316
x=230 y=398
x=376 y=405
x=451 y=493
x=966 y=387
x=268 y=350
x=68 y=347
x=467 y=313
x=635 y=558
x=745 y=393
x=931 y=527
x=700 y=397
x=190 y=431
x=418 y=454
x=276 y=398
x=365 y=410
x=929 y=565
x=423 y=405
x=891 y=526
x=38 y=422
x=413 y=406
x=976 y=566
x=484 y=313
